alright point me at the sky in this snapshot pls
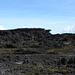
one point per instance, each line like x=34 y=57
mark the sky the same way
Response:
x=57 y=15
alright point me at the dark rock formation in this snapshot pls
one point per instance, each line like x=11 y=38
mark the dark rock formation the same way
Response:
x=34 y=38
x=25 y=38
x=35 y=51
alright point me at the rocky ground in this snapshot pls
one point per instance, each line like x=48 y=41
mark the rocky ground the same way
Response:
x=35 y=51
x=35 y=64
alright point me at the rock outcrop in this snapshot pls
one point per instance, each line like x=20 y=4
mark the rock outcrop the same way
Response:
x=34 y=38
x=35 y=51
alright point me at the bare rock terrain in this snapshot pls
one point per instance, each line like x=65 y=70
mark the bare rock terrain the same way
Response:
x=35 y=51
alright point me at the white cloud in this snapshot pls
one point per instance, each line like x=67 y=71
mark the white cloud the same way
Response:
x=69 y=28
x=2 y=28
x=23 y=27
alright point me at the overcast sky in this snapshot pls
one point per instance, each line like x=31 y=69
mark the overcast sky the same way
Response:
x=57 y=15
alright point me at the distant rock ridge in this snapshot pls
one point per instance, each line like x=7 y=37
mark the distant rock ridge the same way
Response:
x=33 y=38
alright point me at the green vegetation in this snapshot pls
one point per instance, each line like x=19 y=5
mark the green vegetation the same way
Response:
x=62 y=49
x=40 y=70
x=66 y=48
